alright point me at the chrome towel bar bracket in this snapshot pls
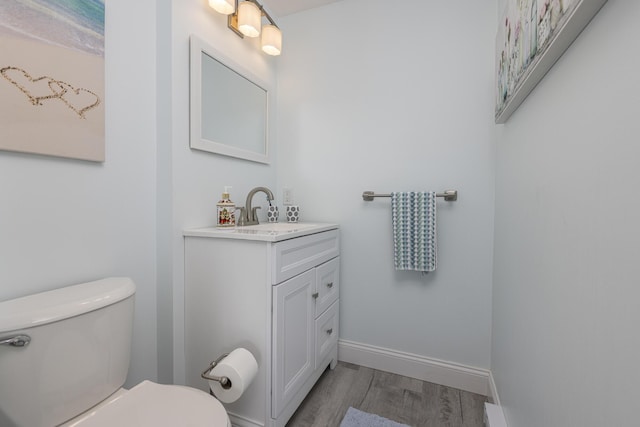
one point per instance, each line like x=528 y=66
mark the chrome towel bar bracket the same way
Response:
x=449 y=195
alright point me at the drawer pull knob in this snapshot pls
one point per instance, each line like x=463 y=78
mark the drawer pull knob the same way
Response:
x=329 y=331
x=330 y=285
x=315 y=295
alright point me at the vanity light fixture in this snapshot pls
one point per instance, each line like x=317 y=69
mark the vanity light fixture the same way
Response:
x=271 y=40
x=249 y=19
x=245 y=19
x=225 y=7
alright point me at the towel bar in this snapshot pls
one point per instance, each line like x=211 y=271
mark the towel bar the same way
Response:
x=449 y=195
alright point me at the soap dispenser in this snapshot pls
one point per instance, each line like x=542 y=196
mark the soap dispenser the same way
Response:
x=226 y=210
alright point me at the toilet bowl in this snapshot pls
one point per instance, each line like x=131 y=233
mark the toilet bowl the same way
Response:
x=64 y=357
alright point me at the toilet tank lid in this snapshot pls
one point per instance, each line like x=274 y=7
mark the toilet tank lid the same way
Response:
x=58 y=304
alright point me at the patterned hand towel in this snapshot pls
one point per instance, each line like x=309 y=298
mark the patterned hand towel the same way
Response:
x=414 y=230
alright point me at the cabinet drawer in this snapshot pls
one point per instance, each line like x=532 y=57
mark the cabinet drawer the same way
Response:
x=295 y=256
x=327 y=284
x=326 y=332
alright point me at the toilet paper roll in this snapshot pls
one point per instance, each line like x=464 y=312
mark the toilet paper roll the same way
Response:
x=240 y=367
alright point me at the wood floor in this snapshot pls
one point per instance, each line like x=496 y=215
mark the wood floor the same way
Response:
x=401 y=399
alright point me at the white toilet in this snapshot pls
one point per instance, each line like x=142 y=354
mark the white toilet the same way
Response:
x=64 y=356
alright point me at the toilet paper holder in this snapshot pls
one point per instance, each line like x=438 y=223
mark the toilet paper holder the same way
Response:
x=224 y=381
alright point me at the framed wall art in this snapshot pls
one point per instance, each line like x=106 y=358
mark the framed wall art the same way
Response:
x=52 y=78
x=532 y=35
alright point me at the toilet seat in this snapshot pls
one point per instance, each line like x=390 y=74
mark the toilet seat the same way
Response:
x=149 y=404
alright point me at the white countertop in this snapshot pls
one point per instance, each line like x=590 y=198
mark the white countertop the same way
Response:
x=266 y=232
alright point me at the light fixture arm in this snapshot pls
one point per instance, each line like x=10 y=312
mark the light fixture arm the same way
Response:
x=232 y=20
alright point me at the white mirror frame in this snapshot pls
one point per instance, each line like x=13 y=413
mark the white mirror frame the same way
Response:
x=198 y=47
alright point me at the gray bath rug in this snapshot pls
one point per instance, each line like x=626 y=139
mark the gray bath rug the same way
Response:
x=356 y=418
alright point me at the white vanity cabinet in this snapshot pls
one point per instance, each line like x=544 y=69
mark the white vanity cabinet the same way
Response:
x=275 y=294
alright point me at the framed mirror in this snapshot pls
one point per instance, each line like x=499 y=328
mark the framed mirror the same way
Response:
x=229 y=106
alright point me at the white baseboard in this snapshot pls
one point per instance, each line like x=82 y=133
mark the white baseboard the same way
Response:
x=493 y=391
x=493 y=416
x=238 y=421
x=463 y=377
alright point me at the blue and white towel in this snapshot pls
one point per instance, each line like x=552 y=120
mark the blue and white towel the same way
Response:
x=414 y=230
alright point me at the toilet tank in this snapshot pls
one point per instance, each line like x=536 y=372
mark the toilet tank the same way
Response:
x=78 y=354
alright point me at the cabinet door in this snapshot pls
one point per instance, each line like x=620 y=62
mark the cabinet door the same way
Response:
x=293 y=338
x=328 y=284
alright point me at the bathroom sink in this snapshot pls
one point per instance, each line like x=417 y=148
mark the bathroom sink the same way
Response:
x=268 y=231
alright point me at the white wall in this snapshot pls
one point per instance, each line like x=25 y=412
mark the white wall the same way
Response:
x=565 y=348
x=195 y=178
x=392 y=99
x=67 y=221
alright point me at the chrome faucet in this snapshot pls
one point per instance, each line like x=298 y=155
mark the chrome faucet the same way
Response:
x=248 y=214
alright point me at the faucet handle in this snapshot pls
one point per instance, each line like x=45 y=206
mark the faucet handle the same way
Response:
x=242 y=220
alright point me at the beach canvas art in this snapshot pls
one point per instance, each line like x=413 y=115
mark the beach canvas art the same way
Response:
x=532 y=35
x=52 y=77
